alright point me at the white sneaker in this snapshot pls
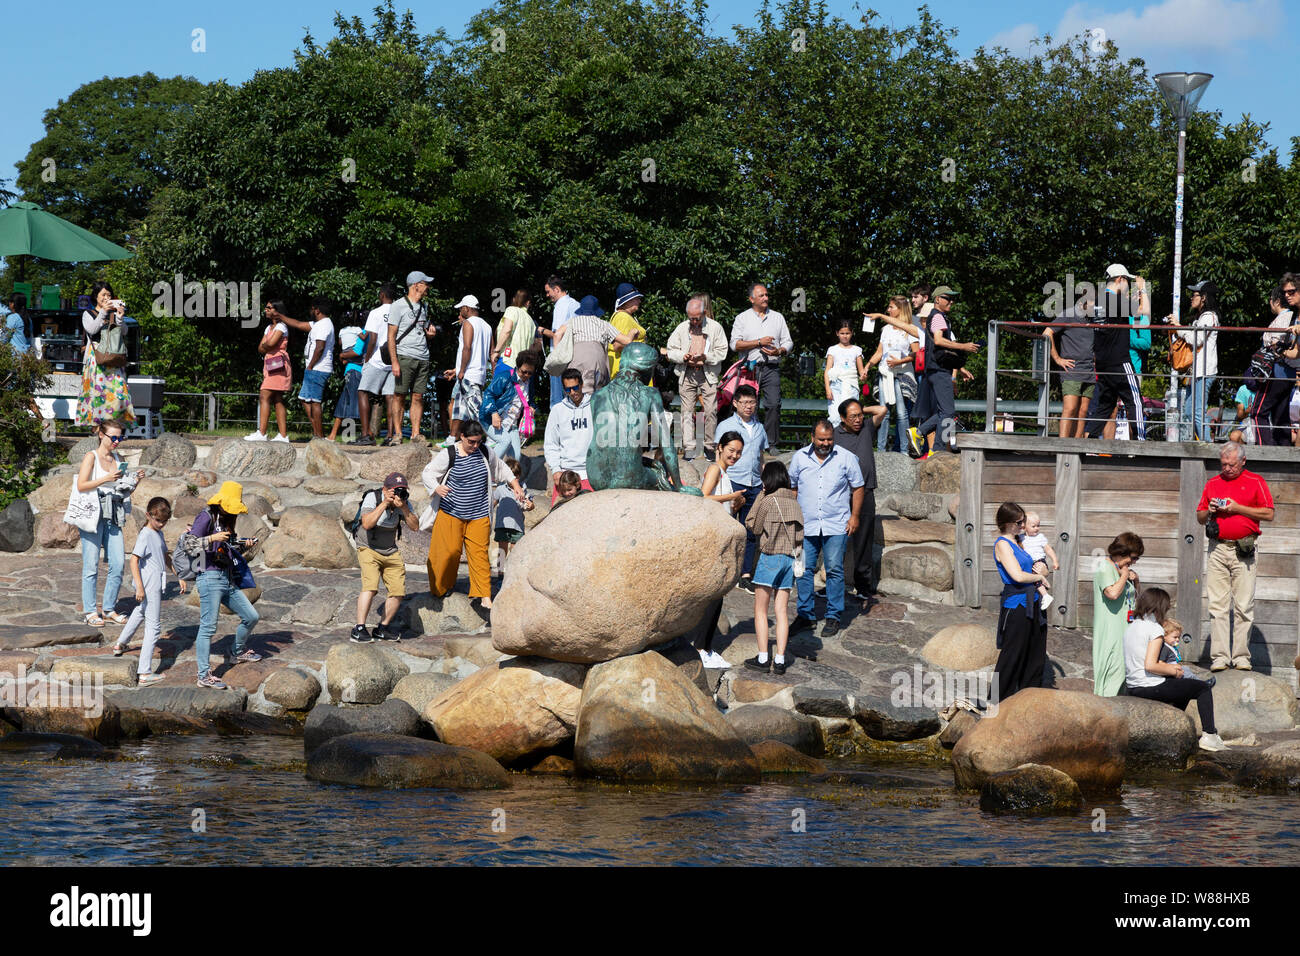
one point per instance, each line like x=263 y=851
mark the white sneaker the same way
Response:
x=254 y=436
x=283 y=438
x=1046 y=602
x=1212 y=742
x=714 y=661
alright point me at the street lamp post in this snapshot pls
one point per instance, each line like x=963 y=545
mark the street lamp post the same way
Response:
x=1182 y=91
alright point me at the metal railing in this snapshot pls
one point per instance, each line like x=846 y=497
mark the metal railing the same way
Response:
x=1170 y=420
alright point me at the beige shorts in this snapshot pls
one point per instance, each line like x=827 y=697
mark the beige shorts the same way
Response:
x=390 y=566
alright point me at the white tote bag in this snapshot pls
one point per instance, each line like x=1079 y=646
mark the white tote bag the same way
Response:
x=796 y=555
x=83 y=509
x=561 y=356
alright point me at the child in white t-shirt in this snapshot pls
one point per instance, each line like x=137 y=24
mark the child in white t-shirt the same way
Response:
x=150 y=563
x=1035 y=544
x=844 y=370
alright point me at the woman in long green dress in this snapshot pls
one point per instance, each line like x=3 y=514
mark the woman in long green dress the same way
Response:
x=1114 y=595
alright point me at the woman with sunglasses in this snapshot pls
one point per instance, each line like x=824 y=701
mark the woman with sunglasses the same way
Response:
x=1114 y=596
x=104 y=471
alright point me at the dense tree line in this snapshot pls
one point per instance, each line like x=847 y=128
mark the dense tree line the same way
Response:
x=620 y=141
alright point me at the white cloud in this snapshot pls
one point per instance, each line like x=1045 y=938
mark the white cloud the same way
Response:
x=1017 y=39
x=1186 y=26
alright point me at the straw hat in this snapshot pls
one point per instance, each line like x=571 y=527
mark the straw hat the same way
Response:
x=228 y=499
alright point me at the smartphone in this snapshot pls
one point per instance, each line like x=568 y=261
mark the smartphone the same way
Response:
x=121 y=468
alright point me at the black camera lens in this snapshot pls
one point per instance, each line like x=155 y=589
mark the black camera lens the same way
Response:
x=402 y=493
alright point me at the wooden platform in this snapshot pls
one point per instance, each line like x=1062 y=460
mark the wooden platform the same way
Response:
x=1150 y=488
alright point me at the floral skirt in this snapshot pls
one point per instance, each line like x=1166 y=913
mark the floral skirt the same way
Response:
x=104 y=393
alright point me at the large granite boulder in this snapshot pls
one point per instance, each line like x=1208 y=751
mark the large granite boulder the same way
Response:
x=1080 y=734
x=409 y=458
x=292 y=689
x=615 y=572
x=188 y=701
x=169 y=452
x=512 y=709
x=927 y=565
x=422 y=689
x=324 y=457
x=1031 y=789
x=1158 y=735
x=111 y=670
x=882 y=719
x=907 y=531
x=895 y=472
x=1248 y=701
x=237 y=458
x=54 y=533
x=451 y=614
x=362 y=673
x=397 y=762
x=962 y=647
x=53 y=494
x=641 y=719
x=326 y=722
x=940 y=474
x=307 y=538
x=97 y=723
x=79 y=449
x=17 y=526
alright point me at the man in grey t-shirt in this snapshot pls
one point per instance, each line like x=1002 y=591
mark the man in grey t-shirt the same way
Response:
x=383 y=511
x=409 y=332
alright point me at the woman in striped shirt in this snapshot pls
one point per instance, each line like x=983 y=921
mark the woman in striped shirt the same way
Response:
x=461 y=478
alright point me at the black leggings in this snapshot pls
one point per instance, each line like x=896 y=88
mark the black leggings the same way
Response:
x=1178 y=691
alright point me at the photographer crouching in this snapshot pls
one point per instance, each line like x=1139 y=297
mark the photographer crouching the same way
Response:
x=1233 y=504
x=377 y=528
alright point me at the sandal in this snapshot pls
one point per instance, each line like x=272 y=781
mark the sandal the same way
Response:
x=119 y=649
x=115 y=618
x=94 y=620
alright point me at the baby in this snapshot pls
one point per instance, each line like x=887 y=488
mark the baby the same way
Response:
x=1035 y=543
x=1171 y=653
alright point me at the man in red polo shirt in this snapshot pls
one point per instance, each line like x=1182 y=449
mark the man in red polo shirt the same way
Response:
x=1238 y=500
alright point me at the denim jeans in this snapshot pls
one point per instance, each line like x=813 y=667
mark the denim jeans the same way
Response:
x=831 y=548
x=751 y=543
x=503 y=442
x=900 y=412
x=1194 y=398
x=215 y=590
x=106 y=538
x=557 y=391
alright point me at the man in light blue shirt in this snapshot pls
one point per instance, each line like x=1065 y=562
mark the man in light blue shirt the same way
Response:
x=566 y=306
x=744 y=474
x=828 y=481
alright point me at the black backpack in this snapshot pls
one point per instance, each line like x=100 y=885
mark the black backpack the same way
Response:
x=1260 y=369
x=947 y=359
x=354 y=526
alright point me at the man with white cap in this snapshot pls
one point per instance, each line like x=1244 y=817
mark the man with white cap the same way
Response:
x=1116 y=380
x=409 y=332
x=473 y=360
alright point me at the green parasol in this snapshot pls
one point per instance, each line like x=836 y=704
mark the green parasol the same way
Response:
x=27 y=230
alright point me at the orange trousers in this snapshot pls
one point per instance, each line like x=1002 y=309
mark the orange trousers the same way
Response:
x=450 y=534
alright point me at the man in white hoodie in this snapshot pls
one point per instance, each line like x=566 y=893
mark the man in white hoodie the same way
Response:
x=568 y=432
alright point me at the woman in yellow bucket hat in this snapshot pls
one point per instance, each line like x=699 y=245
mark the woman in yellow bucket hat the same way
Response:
x=216 y=583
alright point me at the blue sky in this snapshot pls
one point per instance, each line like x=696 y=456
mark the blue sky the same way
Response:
x=1245 y=43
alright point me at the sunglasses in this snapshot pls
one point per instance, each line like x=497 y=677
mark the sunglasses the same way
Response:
x=573 y=388
x=1288 y=291
x=115 y=438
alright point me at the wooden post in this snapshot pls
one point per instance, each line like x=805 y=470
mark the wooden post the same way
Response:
x=1064 y=611
x=1191 y=549
x=970 y=531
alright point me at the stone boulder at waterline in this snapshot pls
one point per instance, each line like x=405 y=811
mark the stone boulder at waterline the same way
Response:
x=1248 y=702
x=641 y=719
x=1032 y=789
x=615 y=572
x=1158 y=735
x=325 y=722
x=396 y=762
x=1079 y=734
x=362 y=673
x=511 y=709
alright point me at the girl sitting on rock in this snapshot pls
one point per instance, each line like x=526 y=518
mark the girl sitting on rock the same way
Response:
x=1168 y=682
x=776 y=520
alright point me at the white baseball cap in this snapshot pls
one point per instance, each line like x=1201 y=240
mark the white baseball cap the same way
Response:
x=470 y=301
x=1116 y=270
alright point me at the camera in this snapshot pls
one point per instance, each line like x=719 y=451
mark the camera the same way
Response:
x=1218 y=502
x=402 y=493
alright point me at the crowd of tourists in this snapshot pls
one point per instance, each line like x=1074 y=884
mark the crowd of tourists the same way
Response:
x=1101 y=344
